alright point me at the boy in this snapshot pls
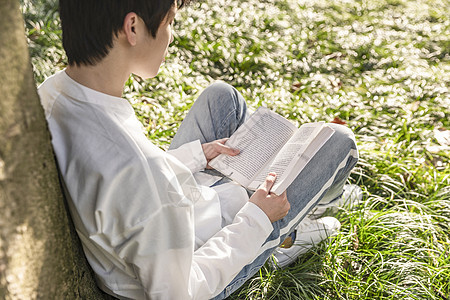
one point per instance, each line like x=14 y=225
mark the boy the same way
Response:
x=152 y=225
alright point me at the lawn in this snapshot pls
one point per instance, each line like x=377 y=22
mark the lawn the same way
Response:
x=382 y=67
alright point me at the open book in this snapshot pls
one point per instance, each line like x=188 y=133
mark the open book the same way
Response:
x=270 y=143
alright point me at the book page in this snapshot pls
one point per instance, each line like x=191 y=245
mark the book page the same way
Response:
x=302 y=158
x=285 y=159
x=258 y=140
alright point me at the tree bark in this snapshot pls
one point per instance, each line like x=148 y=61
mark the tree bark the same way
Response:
x=40 y=254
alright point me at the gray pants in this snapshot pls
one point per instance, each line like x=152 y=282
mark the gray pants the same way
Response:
x=218 y=112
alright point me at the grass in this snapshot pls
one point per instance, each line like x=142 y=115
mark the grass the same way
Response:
x=382 y=66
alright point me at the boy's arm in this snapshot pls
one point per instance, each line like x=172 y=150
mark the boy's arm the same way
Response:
x=178 y=273
x=148 y=231
x=168 y=267
x=223 y=256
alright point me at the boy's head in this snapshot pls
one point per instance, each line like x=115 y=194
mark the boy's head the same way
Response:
x=89 y=26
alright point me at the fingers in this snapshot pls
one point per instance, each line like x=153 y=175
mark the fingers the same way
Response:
x=275 y=207
x=284 y=200
x=222 y=141
x=283 y=207
x=221 y=148
x=214 y=148
x=268 y=183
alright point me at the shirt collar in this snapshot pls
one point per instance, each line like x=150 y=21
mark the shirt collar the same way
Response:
x=80 y=92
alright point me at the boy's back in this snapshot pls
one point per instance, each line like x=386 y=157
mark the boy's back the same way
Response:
x=137 y=209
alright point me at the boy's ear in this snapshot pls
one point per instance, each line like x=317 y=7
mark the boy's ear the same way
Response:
x=129 y=27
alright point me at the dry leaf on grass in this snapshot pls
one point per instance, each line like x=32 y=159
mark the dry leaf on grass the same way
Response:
x=337 y=120
x=296 y=86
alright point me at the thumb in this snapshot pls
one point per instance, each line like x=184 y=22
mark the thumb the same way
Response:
x=268 y=183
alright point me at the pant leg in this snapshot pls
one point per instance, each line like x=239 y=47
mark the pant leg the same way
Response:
x=323 y=177
x=216 y=114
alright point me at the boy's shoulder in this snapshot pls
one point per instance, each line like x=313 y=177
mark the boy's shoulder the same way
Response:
x=48 y=92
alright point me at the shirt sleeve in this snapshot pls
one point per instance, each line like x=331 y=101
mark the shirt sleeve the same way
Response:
x=180 y=273
x=191 y=155
x=222 y=257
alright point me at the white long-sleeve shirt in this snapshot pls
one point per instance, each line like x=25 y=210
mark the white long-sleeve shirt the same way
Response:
x=148 y=228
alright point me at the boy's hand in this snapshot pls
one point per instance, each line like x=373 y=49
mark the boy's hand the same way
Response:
x=274 y=206
x=215 y=148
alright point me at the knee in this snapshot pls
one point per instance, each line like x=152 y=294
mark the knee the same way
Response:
x=222 y=96
x=343 y=137
x=219 y=88
x=220 y=91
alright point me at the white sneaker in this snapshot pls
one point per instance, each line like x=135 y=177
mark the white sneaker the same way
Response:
x=308 y=233
x=351 y=195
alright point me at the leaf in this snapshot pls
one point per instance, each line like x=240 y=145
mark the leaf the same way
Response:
x=288 y=243
x=296 y=86
x=337 y=120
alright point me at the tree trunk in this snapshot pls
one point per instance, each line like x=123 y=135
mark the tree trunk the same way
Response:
x=40 y=254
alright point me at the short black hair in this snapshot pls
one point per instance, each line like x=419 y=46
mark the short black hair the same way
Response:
x=89 y=26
